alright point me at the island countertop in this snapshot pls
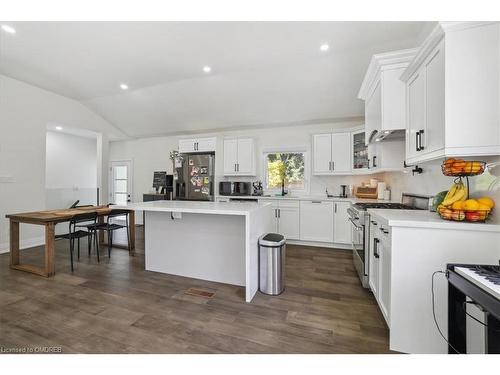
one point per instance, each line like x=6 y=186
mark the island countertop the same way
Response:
x=427 y=219
x=216 y=208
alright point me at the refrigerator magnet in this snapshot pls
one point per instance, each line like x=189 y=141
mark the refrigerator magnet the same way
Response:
x=206 y=180
x=191 y=162
x=203 y=170
x=205 y=190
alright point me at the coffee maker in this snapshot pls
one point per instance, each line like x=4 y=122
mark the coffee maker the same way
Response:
x=343 y=191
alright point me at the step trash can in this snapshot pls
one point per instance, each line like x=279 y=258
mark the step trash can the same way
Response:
x=272 y=250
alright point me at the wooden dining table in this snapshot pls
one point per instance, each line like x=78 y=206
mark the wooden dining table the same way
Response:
x=49 y=219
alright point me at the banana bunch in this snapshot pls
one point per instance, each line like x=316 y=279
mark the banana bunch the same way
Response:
x=458 y=192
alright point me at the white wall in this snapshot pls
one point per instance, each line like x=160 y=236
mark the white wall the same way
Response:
x=71 y=170
x=25 y=111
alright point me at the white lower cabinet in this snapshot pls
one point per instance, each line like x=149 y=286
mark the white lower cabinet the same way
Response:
x=286 y=219
x=379 y=276
x=342 y=233
x=316 y=221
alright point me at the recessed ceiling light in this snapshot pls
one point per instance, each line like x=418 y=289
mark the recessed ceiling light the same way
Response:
x=8 y=29
x=324 y=47
x=59 y=128
x=207 y=69
x=123 y=86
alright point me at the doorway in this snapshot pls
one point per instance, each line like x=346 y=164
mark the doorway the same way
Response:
x=120 y=191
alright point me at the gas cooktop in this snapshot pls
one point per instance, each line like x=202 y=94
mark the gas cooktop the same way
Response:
x=391 y=206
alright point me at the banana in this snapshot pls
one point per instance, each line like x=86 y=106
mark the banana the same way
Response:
x=459 y=194
x=451 y=192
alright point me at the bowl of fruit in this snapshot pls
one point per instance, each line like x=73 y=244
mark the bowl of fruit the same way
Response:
x=459 y=167
x=471 y=210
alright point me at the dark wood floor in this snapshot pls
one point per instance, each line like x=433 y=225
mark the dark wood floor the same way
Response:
x=118 y=307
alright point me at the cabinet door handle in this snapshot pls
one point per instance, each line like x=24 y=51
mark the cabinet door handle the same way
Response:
x=417 y=136
x=279 y=213
x=420 y=139
x=374 y=164
x=373 y=222
x=333 y=165
x=335 y=205
x=375 y=248
x=237 y=167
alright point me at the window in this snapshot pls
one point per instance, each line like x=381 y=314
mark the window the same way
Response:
x=289 y=165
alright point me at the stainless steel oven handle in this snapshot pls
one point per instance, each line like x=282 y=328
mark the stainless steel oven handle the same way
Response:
x=355 y=225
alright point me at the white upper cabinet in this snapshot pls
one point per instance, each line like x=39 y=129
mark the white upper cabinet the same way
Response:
x=384 y=94
x=332 y=153
x=197 y=145
x=239 y=157
x=341 y=152
x=359 y=151
x=453 y=93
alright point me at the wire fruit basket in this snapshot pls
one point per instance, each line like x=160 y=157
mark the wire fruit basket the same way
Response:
x=462 y=168
x=447 y=213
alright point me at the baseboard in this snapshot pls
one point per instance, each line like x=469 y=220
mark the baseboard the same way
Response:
x=320 y=244
x=24 y=244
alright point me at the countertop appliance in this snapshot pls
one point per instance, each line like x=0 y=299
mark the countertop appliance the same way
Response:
x=236 y=188
x=360 y=226
x=194 y=177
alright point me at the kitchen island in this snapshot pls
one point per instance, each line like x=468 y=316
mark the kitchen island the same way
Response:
x=215 y=241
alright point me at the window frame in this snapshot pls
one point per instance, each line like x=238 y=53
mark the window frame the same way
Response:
x=295 y=150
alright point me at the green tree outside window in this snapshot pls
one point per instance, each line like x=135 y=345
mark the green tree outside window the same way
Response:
x=285 y=166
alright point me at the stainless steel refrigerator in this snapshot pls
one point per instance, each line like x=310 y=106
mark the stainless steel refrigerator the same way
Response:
x=194 y=177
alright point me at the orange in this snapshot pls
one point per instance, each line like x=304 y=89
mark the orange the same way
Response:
x=458 y=205
x=487 y=201
x=484 y=207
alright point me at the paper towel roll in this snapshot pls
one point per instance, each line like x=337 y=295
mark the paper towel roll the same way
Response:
x=380 y=190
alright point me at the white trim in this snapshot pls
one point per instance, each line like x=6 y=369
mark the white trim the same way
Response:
x=330 y=245
x=383 y=61
x=24 y=244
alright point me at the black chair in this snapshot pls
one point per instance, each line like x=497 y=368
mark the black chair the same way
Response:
x=78 y=221
x=111 y=227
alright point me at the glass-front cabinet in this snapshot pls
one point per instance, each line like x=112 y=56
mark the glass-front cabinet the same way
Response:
x=359 y=152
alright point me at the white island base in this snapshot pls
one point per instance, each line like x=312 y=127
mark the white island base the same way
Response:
x=215 y=241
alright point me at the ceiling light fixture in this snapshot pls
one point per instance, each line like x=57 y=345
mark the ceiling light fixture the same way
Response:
x=324 y=47
x=8 y=29
x=207 y=69
x=59 y=128
x=123 y=86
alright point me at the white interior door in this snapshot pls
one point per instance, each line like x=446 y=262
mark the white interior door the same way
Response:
x=121 y=182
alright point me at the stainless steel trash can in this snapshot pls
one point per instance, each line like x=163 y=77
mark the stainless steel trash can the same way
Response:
x=272 y=250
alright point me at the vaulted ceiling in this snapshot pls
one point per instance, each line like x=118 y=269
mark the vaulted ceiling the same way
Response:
x=263 y=73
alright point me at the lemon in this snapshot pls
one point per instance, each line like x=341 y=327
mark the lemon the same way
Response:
x=487 y=201
x=471 y=205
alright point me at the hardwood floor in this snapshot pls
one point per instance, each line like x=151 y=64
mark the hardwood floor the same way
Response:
x=118 y=307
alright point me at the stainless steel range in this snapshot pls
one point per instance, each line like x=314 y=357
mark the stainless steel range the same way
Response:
x=360 y=223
